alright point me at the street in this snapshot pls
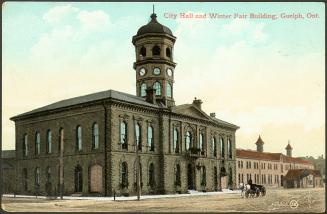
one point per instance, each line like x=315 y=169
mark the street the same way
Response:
x=276 y=200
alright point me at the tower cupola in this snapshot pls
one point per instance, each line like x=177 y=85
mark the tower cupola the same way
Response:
x=289 y=149
x=259 y=144
x=154 y=65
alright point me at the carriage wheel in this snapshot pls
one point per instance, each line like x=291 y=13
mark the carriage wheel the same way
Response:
x=246 y=194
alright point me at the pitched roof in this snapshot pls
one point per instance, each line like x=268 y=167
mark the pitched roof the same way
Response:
x=180 y=108
x=288 y=146
x=252 y=154
x=296 y=160
x=259 y=141
x=294 y=174
x=90 y=98
x=242 y=153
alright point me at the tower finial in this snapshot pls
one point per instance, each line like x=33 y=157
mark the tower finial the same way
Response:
x=153 y=8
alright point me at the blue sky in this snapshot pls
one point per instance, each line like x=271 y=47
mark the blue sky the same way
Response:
x=267 y=76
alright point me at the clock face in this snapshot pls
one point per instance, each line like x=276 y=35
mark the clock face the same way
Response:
x=142 y=71
x=169 y=72
x=156 y=71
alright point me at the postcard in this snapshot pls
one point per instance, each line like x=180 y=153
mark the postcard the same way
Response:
x=163 y=107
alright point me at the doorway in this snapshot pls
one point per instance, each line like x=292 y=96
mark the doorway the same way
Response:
x=190 y=176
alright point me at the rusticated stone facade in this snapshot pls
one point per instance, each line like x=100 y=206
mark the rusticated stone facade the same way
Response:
x=89 y=145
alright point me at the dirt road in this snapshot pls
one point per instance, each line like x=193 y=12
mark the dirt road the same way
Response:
x=276 y=200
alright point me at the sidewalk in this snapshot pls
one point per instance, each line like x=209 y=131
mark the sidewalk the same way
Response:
x=132 y=198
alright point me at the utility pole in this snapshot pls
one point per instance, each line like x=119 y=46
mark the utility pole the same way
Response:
x=138 y=180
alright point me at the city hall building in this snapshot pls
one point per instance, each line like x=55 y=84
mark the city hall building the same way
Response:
x=114 y=143
x=267 y=168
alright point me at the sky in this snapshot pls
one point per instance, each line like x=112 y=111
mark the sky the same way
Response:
x=266 y=76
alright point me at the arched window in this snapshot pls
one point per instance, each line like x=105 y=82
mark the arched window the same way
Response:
x=124 y=175
x=204 y=176
x=143 y=52
x=37 y=143
x=95 y=136
x=49 y=142
x=61 y=139
x=168 y=90
x=201 y=141
x=37 y=177
x=25 y=145
x=24 y=179
x=123 y=134
x=96 y=178
x=156 y=50
x=79 y=138
x=168 y=52
x=48 y=175
x=214 y=146
x=188 y=140
x=138 y=136
x=178 y=175
x=175 y=141
x=157 y=86
x=222 y=148
x=78 y=179
x=230 y=149
x=143 y=90
x=150 y=138
x=151 y=175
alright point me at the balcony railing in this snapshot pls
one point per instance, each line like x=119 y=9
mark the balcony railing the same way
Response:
x=195 y=153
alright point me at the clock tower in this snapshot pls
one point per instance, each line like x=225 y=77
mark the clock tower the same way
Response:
x=154 y=65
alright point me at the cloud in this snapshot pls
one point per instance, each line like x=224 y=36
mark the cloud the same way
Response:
x=58 y=13
x=93 y=20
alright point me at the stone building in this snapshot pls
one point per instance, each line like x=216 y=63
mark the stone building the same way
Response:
x=112 y=142
x=267 y=168
x=8 y=165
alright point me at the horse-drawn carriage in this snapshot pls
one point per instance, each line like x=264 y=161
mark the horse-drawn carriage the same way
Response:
x=252 y=190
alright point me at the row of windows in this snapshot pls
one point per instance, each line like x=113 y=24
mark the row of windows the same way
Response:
x=124 y=175
x=79 y=145
x=95 y=173
x=138 y=136
x=157 y=86
x=189 y=141
x=155 y=51
x=265 y=178
x=256 y=165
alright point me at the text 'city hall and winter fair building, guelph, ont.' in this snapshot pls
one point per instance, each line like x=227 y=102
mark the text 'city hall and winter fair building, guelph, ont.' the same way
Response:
x=91 y=145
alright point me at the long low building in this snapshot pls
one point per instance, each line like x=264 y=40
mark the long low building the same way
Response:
x=266 y=168
x=302 y=178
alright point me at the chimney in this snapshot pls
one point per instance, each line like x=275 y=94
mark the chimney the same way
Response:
x=150 y=95
x=197 y=103
x=212 y=114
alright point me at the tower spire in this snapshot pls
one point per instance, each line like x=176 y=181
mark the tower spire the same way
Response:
x=153 y=8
